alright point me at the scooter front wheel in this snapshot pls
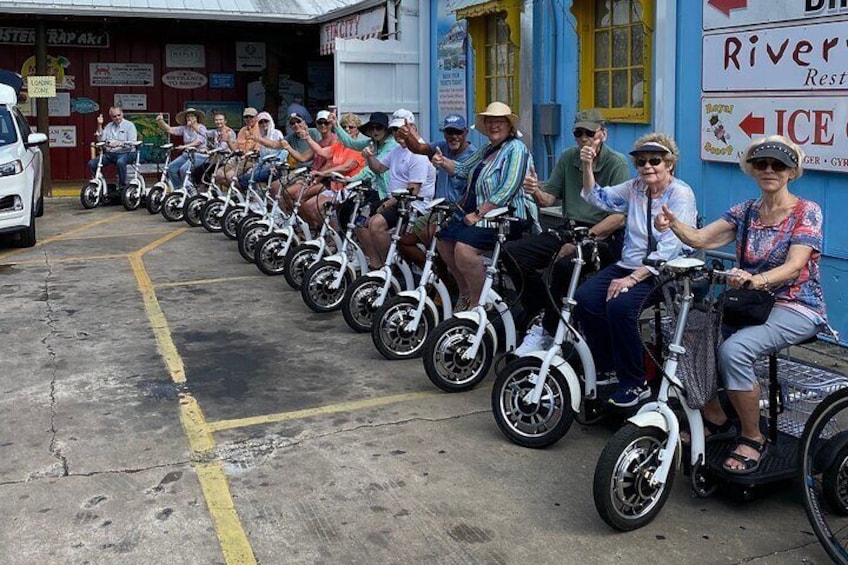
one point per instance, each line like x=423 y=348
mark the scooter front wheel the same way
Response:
x=526 y=424
x=358 y=305
x=248 y=240
x=131 y=197
x=230 y=221
x=443 y=356
x=625 y=494
x=90 y=195
x=269 y=254
x=298 y=261
x=154 y=200
x=192 y=209
x=317 y=291
x=210 y=216
x=390 y=330
x=173 y=207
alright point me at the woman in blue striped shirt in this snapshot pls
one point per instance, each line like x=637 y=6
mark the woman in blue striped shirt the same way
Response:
x=495 y=174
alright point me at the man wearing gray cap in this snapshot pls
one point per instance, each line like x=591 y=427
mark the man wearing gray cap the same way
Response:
x=530 y=254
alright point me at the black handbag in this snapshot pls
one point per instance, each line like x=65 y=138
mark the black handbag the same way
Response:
x=743 y=307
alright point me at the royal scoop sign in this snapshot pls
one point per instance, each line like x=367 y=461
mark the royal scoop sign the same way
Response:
x=818 y=124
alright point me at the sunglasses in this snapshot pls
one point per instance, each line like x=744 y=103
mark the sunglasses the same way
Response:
x=763 y=164
x=295 y=122
x=264 y=121
x=393 y=131
x=350 y=126
x=322 y=123
x=653 y=161
x=453 y=131
x=377 y=127
x=249 y=117
x=583 y=132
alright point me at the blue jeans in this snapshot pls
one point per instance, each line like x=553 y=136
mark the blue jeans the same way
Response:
x=263 y=173
x=180 y=166
x=120 y=160
x=612 y=328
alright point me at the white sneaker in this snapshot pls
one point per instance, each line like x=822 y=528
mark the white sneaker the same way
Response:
x=537 y=339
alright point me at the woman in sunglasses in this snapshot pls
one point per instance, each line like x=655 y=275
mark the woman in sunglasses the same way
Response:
x=608 y=304
x=782 y=252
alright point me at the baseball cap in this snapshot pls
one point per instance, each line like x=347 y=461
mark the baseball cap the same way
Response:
x=249 y=111
x=454 y=121
x=400 y=116
x=591 y=120
x=322 y=115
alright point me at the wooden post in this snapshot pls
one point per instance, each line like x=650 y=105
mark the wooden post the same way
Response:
x=42 y=122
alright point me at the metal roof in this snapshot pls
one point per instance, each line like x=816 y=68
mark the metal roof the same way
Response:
x=271 y=11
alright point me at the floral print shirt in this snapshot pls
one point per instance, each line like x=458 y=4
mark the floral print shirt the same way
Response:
x=768 y=248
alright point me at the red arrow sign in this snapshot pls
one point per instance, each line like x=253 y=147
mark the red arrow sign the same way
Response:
x=751 y=125
x=724 y=6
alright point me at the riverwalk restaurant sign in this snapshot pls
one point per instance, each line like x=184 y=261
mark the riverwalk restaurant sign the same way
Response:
x=56 y=37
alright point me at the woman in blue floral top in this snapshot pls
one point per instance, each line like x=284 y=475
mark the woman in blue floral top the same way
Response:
x=782 y=255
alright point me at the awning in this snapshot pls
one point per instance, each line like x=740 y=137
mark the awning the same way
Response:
x=363 y=25
x=270 y=11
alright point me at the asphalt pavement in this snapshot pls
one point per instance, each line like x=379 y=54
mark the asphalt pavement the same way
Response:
x=164 y=402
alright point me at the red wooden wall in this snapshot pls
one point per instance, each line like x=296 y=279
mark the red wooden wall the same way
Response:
x=143 y=41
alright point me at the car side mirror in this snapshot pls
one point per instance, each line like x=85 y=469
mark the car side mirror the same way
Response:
x=34 y=139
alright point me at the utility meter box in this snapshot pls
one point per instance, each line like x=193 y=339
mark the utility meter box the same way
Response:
x=550 y=118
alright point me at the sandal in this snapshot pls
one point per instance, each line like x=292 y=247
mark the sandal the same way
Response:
x=713 y=432
x=748 y=465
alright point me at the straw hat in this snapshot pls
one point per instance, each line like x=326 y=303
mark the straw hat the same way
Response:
x=182 y=115
x=496 y=109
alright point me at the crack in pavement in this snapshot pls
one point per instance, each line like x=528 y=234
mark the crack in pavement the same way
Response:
x=129 y=471
x=755 y=558
x=54 y=448
x=240 y=452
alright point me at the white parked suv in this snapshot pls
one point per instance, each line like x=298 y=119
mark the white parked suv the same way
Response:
x=20 y=166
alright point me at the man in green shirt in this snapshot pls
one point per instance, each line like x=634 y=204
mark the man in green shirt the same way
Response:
x=530 y=254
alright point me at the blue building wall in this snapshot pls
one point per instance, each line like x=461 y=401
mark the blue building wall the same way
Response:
x=555 y=77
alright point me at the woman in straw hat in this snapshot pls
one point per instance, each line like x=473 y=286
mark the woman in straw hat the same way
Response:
x=495 y=174
x=190 y=126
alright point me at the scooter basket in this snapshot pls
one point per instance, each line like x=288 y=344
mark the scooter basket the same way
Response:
x=802 y=388
x=697 y=369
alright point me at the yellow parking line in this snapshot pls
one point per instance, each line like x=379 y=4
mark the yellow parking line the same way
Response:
x=204 y=281
x=319 y=411
x=72 y=259
x=210 y=472
x=115 y=235
x=60 y=236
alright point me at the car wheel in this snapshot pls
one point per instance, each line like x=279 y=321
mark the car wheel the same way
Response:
x=28 y=238
x=39 y=207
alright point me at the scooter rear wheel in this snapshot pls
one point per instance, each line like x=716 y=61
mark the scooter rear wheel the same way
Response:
x=824 y=474
x=90 y=195
x=389 y=331
x=622 y=489
x=443 y=356
x=526 y=424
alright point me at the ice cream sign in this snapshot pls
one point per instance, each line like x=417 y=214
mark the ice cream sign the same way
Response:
x=818 y=124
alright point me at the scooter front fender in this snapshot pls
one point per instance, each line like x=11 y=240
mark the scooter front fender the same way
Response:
x=650 y=419
x=475 y=317
x=561 y=365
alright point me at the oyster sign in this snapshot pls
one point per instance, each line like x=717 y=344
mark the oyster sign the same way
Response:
x=185 y=80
